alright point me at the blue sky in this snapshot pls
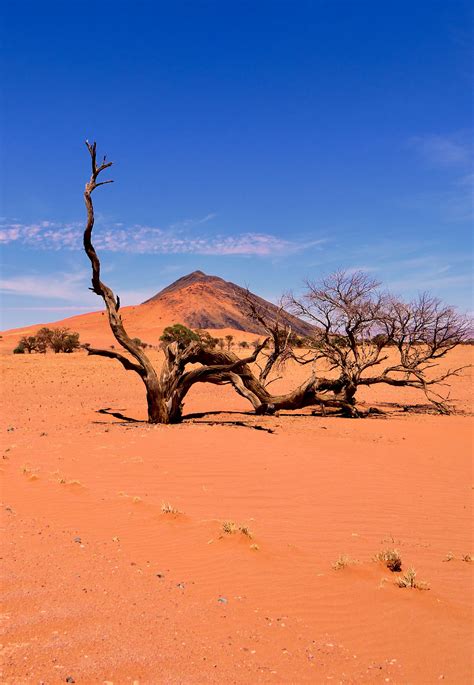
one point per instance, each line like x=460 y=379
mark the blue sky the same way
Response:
x=265 y=142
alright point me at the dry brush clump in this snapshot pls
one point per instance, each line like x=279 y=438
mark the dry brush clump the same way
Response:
x=230 y=528
x=391 y=559
x=408 y=580
x=167 y=508
x=465 y=557
x=343 y=561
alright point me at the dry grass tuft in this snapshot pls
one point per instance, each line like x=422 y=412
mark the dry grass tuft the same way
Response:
x=29 y=471
x=167 y=508
x=229 y=527
x=342 y=562
x=63 y=481
x=391 y=558
x=135 y=498
x=467 y=557
x=409 y=580
x=449 y=557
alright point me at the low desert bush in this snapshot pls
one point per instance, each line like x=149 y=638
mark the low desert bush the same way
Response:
x=391 y=558
x=408 y=580
x=56 y=339
x=178 y=333
x=139 y=342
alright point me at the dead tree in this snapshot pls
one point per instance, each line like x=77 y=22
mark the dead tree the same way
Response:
x=360 y=329
x=165 y=391
x=278 y=330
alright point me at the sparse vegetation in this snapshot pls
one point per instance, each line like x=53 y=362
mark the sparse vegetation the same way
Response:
x=229 y=527
x=178 y=333
x=57 y=339
x=467 y=557
x=28 y=343
x=342 y=562
x=206 y=339
x=167 y=508
x=391 y=558
x=408 y=580
x=63 y=340
x=139 y=342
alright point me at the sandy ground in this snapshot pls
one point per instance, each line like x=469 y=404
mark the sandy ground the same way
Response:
x=101 y=586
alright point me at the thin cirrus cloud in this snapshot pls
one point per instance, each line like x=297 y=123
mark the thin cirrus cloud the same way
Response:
x=452 y=154
x=452 y=150
x=138 y=239
x=63 y=287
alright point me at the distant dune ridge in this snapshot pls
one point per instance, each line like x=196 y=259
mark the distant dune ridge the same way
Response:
x=196 y=300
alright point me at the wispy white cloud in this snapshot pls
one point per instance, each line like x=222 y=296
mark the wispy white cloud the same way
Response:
x=62 y=286
x=365 y=269
x=453 y=204
x=452 y=153
x=433 y=282
x=139 y=239
x=44 y=234
x=62 y=308
x=443 y=150
x=189 y=223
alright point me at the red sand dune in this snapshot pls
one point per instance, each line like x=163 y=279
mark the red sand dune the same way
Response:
x=101 y=586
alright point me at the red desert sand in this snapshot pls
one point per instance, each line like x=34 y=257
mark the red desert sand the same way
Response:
x=204 y=552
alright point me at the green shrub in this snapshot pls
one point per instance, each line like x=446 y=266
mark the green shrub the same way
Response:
x=58 y=339
x=178 y=333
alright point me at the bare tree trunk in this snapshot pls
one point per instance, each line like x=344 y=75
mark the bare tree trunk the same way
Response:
x=157 y=410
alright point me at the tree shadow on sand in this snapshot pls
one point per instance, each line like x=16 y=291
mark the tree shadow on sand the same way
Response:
x=118 y=415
